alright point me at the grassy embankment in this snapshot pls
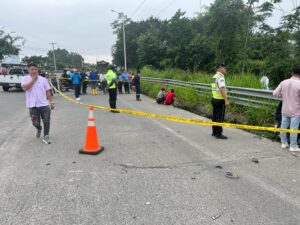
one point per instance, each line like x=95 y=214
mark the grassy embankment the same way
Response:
x=191 y=100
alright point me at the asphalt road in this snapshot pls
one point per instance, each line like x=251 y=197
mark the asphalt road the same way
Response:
x=152 y=171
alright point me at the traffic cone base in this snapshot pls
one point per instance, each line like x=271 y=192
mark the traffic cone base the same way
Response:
x=91 y=152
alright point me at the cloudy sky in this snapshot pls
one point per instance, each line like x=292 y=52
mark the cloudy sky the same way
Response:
x=83 y=26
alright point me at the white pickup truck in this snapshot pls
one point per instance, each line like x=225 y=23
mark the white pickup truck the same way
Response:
x=13 y=78
x=11 y=74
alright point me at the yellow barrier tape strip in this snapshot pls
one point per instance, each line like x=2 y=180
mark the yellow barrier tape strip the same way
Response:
x=180 y=119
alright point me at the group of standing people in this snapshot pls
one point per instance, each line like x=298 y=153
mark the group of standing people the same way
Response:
x=289 y=92
x=80 y=81
x=129 y=82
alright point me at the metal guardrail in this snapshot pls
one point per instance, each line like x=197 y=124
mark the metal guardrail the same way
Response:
x=239 y=95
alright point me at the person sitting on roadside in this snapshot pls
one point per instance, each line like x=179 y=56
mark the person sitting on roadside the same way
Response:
x=161 y=97
x=170 y=97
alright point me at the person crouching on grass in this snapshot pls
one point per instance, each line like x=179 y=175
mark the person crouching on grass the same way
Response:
x=39 y=100
x=161 y=97
x=170 y=97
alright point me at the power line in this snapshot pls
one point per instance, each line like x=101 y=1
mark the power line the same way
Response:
x=138 y=8
x=35 y=48
x=161 y=11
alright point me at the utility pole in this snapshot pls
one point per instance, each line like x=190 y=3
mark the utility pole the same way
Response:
x=54 y=59
x=124 y=36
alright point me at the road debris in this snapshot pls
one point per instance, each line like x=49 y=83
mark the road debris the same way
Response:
x=255 y=160
x=216 y=217
x=231 y=175
x=218 y=167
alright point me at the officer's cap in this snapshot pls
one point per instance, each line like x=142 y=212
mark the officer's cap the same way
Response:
x=220 y=65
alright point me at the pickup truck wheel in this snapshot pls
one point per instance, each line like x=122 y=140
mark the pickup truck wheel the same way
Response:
x=63 y=88
x=5 y=88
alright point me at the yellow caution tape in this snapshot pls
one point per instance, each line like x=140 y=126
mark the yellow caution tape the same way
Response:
x=180 y=119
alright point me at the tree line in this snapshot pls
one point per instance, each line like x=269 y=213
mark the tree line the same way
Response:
x=64 y=59
x=11 y=44
x=231 y=31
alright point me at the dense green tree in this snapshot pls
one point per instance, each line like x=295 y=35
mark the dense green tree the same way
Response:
x=232 y=31
x=65 y=59
x=10 y=44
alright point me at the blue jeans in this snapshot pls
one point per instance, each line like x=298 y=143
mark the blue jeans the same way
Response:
x=293 y=124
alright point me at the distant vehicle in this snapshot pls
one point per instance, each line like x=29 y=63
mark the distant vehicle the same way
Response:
x=101 y=66
x=12 y=72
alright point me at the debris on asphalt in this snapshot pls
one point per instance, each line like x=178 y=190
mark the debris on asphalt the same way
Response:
x=193 y=178
x=216 y=217
x=258 y=137
x=219 y=167
x=74 y=162
x=48 y=164
x=148 y=203
x=231 y=175
x=255 y=160
x=124 y=171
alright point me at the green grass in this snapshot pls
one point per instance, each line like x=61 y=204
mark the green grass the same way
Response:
x=193 y=101
x=238 y=80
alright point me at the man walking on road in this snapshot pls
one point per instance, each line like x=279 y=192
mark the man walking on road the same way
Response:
x=111 y=79
x=289 y=91
x=38 y=97
x=219 y=100
x=76 y=81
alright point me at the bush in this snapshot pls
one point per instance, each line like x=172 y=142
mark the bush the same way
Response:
x=247 y=80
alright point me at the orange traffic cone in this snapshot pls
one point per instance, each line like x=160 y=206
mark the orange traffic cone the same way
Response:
x=91 y=146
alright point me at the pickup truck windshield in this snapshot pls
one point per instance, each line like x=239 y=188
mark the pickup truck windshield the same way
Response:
x=16 y=71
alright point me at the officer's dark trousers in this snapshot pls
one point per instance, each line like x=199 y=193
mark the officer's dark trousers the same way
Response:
x=112 y=97
x=138 y=91
x=218 y=115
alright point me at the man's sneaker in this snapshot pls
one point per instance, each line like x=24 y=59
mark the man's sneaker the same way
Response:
x=46 y=140
x=284 y=146
x=221 y=137
x=77 y=99
x=294 y=149
x=38 y=133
